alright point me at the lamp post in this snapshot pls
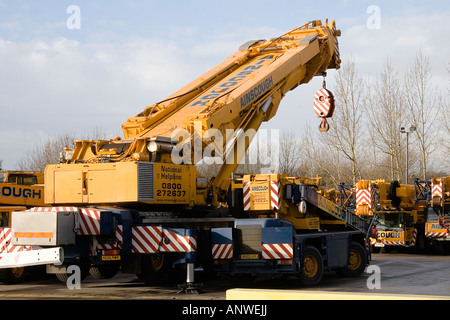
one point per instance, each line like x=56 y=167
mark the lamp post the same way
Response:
x=412 y=128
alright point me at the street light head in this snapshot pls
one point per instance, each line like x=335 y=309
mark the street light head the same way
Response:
x=412 y=128
x=402 y=129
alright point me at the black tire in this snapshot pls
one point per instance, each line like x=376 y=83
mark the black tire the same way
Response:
x=84 y=270
x=422 y=243
x=311 y=268
x=106 y=271
x=13 y=275
x=358 y=261
x=157 y=268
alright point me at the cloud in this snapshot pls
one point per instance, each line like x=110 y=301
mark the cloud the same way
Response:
x=63 y=85
x=54 y=85
x=399 y=39
x=16 y=143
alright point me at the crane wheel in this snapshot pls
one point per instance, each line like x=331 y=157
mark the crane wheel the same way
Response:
x=357 y=261
x=12 y=275
x=151 y=268
x=435 y=201
x=311 y=269
x=159 y=268
x=106 y=271
x=84 y=270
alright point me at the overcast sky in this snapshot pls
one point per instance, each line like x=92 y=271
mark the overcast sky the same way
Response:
x=60 y=74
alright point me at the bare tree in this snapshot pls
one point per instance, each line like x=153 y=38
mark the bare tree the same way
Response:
x=444 y=123
x=48 y=151
x=385 y=109
x=317 y=159
x=421 y=100
x=330 y=167
x=347 y=125
x=290 y=153
x=307 y=165
x=444 y=132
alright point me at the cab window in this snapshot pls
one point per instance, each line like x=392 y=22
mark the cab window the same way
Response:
x=27 y=180
x=4 y=219
x=432 y=215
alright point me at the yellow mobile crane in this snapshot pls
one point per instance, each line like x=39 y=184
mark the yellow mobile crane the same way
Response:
x=399 y=215
x=138 y=203
x=234 y=97
x=437 y=226
x=19 y=190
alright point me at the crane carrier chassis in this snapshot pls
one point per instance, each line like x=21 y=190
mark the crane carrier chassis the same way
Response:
x=139 y=204
x=160 y=246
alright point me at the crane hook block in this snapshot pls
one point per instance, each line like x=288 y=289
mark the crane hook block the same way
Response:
x=324 y=103
x=324 y=107
x=324 y=126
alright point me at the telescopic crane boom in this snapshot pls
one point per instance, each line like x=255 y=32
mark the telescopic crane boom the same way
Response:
x=205 y=118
